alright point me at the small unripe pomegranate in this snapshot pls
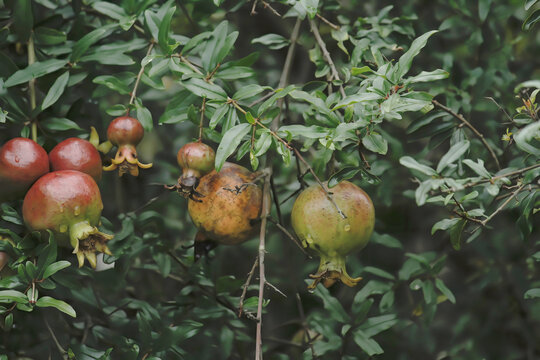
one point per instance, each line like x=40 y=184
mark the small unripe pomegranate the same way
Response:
x=76 y=154
x=196 y=160
x=22 y=161
x=126 y=132
x=68 y=203
x=231 y=208
x=325 y=232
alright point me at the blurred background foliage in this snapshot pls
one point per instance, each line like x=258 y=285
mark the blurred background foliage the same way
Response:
x=469 y=291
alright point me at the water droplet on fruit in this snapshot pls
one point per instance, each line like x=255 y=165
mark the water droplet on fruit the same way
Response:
x=77 y=210
x=309 y=239
x=17 y=159
x=347 y=227
x=63 y=228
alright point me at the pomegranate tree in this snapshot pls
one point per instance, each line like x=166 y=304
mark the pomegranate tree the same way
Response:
x=68 y=203
x=76 y=154
x=325 y=232
x=231 y=208
x=196 y=160
x=126 y=132
x=22 y=161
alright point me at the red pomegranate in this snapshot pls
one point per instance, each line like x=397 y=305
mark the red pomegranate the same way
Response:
x=196 y=160
x=76 y=154
x=325 y=232
x=22 y=161
x=68 y=203
x=126 y=132
x=231 y=207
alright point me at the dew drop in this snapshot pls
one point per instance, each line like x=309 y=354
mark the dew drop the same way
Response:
x=77 y=210
x=17 y=159
x=63 y=228
x=347 y=227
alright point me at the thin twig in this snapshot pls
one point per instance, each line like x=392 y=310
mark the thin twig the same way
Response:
x=276 y=200
x=503 y=205
x=326 y=54
x=32 y=84
x=492 y=179
x=189 y=64
x=245 y=286
x=253 y=12
x=268 y=6
x=471 y=127
x=305 y=325
x=201 y=123
x=325 y=20
x=262 y=277
x=139 y=75
x=290 y=236
x=186 y=12
x=62 y=351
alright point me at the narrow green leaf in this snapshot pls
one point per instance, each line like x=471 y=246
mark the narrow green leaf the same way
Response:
x=532 y=293
x=405 y=61
x=164 y=29
x=84 y=43
x=376 y=143
x=411 y=163
x=55 y=267
x=13 y=295
x=35 y=71
x=23 y=19
x=370 y=346
x=59 y=124
x=444 y=224
x=218 y=115
x=47 y=301
x=454 y=153
x=445 y=291
x=56 y=90
x=230 y=141
x=201 y=88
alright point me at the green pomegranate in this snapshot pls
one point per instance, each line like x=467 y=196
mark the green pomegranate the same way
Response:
x=325 y=232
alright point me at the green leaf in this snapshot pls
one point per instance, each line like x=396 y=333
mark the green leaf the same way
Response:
x=532 y=293
x=218 y=115
x=113 y=83
x=145 y=117
x=357 y=71
x=59 y=124
x=455 y=233
x=246 y=92
x=164 y=29
x=111 y=10
x=478 y=167
x=332 y=305
x=411 y=163
x=377 y=324
x=376 y=143
x=47 y=301
x=454 y=153
x=532 y=19
x=528 y=139
x=444 y=224
x=49 y=36
x=273 y=41
x=23 y=19
x=405 y=61
x=357 y=98
x=445 y=291
x=35 y=71
x=212 y=54
x=56 y=90
x=55 y=267
x=203 y=89
x=84 y=43
x=230 y=141
x=13 y=295
x=370 y=346
x=426 y=76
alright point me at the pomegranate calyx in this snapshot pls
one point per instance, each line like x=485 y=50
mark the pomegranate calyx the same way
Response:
x=332 y=269
x=86 y=241
x=126 y=161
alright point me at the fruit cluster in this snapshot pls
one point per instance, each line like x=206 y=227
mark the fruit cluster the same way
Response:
x=61 y=195
x=60 y=188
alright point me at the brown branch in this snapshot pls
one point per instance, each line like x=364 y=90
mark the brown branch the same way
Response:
x=268 y=6
x=471 y=127
x=262 y=278
x=326 y=54
x=305 y=326
x=253 y=12
x=503 y=205
x=245 y=286
x=61 y=350
x=492 y=179
x=32 y=84
x=325 y=20
x=203 y=108
x=289 y=236
x=139 y=75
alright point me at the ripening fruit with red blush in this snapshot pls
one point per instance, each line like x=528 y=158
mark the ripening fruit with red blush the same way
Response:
x=68 y=203
x=76 y=154
x=22 y=162
x=196 y=160
x=126 y=132
x=323 y=231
